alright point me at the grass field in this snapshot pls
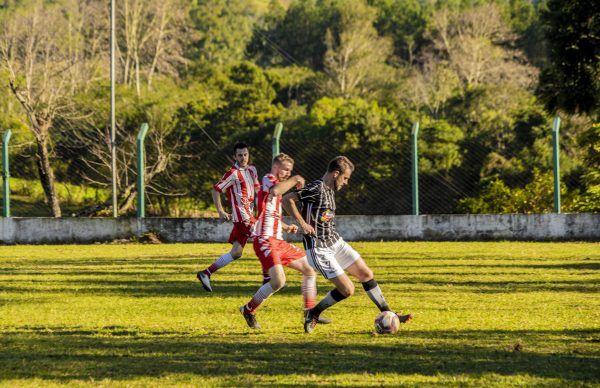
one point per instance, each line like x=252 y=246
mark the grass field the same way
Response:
x=492 y=314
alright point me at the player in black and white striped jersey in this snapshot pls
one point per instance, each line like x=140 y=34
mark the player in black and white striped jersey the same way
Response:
x=326 y=250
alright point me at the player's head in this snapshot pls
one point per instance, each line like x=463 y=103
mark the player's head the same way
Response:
x=282 y=167
x=241 y=154
x=340 y=168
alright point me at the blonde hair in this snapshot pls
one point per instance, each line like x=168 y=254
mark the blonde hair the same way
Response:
x=283 y=158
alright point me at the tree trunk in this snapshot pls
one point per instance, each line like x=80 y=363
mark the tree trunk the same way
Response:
x=47 y=176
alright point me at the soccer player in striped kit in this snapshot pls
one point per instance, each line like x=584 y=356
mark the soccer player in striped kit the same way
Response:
x=239 y=183
x=271 y=249
x=327 y=251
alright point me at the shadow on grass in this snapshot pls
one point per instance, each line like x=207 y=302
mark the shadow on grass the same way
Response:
x=118 y=353
x=229 y=288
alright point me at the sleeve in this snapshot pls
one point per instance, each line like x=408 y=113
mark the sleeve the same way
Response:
x=255 y=176
x=309 y=194
x=267 y=182
x=226 y=181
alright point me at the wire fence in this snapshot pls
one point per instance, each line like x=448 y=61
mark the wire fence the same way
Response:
x=181 y=170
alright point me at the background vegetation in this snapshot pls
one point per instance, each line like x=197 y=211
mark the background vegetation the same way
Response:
x=484 y=78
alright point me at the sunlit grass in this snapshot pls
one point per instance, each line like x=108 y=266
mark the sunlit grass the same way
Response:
x=485 y=314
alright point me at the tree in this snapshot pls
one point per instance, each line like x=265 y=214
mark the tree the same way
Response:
x=356 y=55
x=571 y=80
x=478 y=46
x=150 y=39
x=224 y=29
x=48 y=52
x=405 y=22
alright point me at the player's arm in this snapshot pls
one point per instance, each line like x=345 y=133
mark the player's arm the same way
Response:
x=291 y=228
x=216 y=196
x=289 y=204
x=285 y=186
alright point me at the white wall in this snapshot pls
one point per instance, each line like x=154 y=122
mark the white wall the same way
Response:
x=534 y=227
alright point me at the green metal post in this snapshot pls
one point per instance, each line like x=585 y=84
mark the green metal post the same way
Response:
x=556 y=163
x=141 y=166
x=5 y=174
x=415 y=168
x=276 y=136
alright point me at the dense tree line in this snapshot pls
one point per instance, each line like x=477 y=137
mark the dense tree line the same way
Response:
x=483 y=78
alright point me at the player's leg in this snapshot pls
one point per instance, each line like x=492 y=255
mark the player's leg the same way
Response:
x=309 y=281
x=237 y=239
x=360 y=270
x=344 y=288
x=295 y=258
x=271 y=264
x=323 y=260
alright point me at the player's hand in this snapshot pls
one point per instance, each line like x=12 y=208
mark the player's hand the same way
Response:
x=308 y=229
x=224 y=216
x=300 y=182
x=292 y=228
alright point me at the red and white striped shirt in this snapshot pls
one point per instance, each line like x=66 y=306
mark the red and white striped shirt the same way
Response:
x=240 y=183
x=269 y=210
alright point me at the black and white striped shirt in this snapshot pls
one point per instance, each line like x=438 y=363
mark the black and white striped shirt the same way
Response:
x=318 y=210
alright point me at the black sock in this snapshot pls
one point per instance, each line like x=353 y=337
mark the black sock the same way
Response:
x=329 y=300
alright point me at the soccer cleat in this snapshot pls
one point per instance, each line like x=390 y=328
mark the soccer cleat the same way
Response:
x=310 y=321
x=404 y=318
x=321 y=319
x=205 y=280
x=250 y=319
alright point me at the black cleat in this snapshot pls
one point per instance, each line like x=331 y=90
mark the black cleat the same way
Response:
x=321 y=319
x=250 y=319
x=310 y=321
x=204 y=280
x=404 y=318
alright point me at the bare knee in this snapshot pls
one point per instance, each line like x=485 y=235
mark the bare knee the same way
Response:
x=365 y=275
x=277 y=283
x=308 y=271
x=347 y=290
x=236 y=252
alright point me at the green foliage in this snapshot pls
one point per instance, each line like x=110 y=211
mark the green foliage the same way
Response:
x=344 y=76
x=589 y=199
x=405 y=21
x=535 y=197
x=225 y=28
x=571 y=81
x=439 y=145
x=77 y=195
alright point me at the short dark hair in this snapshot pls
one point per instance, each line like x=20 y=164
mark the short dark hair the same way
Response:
x=238 y=146
x=340 y=164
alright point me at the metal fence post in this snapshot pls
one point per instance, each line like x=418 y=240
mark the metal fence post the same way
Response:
x=276 y=136
x=5 y=174
x=113 y=146
x=415 y=168
x=141 y=166
x=556 y=163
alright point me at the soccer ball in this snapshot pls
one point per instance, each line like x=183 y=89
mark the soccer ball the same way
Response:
x=387 y=322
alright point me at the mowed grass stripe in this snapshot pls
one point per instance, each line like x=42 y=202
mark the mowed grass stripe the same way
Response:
x=133 y=315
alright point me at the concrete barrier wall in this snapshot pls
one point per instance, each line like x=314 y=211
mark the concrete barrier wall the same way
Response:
x=532 y=227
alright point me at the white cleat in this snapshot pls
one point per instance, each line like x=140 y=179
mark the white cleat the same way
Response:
x=205 y=280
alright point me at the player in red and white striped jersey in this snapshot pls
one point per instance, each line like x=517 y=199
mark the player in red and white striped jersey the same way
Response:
x=239 y=184
x=272 y=250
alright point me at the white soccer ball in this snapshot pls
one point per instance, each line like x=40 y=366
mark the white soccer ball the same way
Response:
x=387 y=322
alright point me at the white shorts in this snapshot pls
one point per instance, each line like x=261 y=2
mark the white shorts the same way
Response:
x=332 y=261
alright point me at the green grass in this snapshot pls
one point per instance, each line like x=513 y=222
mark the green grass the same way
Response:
x=491 y=314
